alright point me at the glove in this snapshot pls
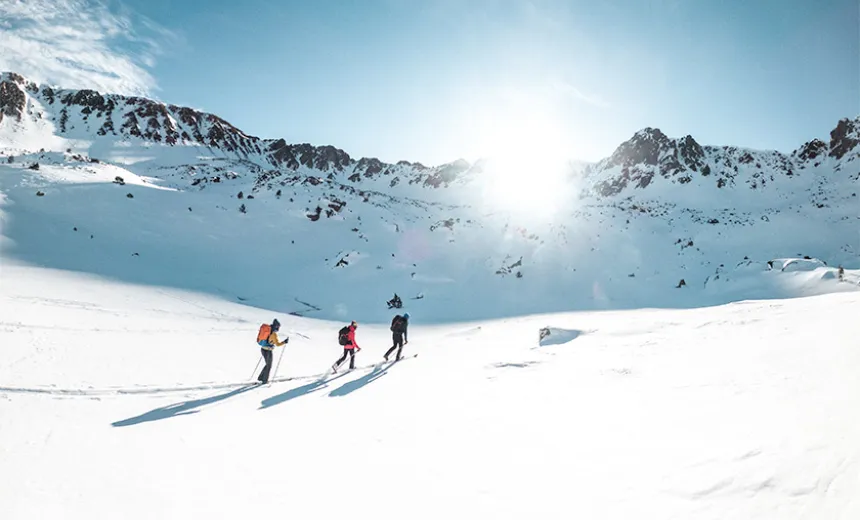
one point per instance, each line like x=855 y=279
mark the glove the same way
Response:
x=287 y=339
x=358 y=349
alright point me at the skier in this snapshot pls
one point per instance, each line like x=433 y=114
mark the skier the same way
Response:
x=399 y=326
x=841 y=274
x=267 y=338
x=346 y=337
x=395 y=302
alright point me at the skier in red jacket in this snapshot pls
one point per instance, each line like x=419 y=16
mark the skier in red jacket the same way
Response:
x=347 y=339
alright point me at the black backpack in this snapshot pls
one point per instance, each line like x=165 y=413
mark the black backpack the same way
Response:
x=343 y=336
x=398 y=324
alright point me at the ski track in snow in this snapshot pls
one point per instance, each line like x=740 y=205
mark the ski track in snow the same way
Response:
x=145 y=390
x=743 y=410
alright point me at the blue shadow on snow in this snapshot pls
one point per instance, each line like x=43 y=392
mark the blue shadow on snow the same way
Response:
x=560 y=336
x=352 y=386
x=299 y=391
x=183 y=408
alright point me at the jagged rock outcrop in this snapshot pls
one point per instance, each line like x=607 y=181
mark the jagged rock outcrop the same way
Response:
x=128 y=117
x=647 y=159
x=648 y=153
x=844 y=138
x=12 y=100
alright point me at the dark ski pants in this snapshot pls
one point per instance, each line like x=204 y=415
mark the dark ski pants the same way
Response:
x=347 y=352
x=264 y=374
x=398 y=344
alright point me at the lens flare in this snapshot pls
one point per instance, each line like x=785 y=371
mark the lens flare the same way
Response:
x=527 y=173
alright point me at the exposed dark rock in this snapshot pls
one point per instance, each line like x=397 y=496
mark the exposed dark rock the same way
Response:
x=446 y=174
x=844 y=138
x=369 y=166
x=12 y=100
x=812 y=150
x=650 y=151
x=315 y=215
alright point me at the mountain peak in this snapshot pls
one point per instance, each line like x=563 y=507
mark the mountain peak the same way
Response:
x=845 y=137
x=649 y=133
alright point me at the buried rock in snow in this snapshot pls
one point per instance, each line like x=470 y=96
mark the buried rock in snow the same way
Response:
x=556 y=336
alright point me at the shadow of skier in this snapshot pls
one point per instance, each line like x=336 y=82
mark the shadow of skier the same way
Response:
x=183 y=408
x=352 y=386
x=299 y=391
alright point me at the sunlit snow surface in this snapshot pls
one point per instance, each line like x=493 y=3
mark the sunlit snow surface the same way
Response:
x=127 y=400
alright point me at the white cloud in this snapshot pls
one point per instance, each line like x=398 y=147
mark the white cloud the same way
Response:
x=80 y=44
x=572 y=91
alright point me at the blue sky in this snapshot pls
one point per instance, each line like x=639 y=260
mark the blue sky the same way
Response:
x=435 y=80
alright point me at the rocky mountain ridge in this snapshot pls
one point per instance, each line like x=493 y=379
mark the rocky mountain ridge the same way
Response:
x=90 y=114
x=647 y=158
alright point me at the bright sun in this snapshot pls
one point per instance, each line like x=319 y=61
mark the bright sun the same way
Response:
x=527 y=172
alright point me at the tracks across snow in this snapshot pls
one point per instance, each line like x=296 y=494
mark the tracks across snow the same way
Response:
x=159 y=390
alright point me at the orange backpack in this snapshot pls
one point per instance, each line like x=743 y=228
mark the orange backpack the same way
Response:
x=265 y=332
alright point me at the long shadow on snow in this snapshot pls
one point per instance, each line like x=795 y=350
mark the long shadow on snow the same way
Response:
x=183 y=408
x=299 y=391
x=352 y=386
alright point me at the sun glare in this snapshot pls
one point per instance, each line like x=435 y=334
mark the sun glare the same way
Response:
x=527 y=170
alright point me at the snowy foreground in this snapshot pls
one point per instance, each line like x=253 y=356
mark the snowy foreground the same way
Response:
x=122 y=401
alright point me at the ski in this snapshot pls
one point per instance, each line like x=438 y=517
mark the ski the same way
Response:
x=392 y=361
x=373 y=365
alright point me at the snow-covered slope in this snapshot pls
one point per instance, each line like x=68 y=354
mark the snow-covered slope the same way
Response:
x=135 y=270
x=132 y=129
x=653 y=165
x=125 y=401
x=201 y=205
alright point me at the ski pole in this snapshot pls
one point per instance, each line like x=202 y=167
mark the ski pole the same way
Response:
x=299 y=334
x=279 y=363
x=256 y=367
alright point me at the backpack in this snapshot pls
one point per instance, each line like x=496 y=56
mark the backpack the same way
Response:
x=343 y=336
x=398 y=324
x=265 y=332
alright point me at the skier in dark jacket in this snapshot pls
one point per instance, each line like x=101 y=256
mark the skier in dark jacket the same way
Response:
x=349 y=348
x=399 y=334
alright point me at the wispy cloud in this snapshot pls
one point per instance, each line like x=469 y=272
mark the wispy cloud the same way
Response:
x=569 y=89
x=80 y=44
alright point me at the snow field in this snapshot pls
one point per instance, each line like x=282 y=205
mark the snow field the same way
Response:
x=739 y=411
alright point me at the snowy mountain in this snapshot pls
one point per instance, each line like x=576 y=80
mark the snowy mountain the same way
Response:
x=147 y=192
x=142 y=245
x=676 y=167
x=46 y=113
